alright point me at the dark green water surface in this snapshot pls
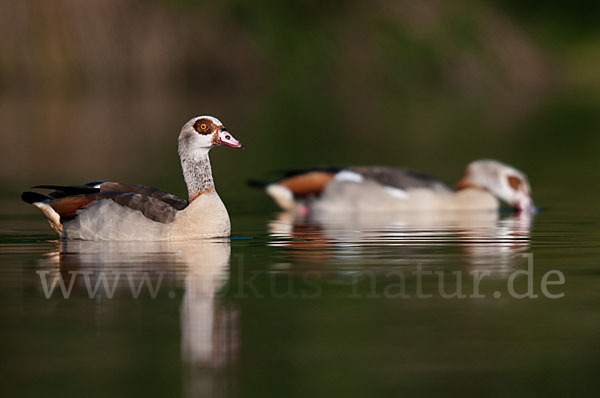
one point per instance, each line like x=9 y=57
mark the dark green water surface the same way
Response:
x=349 y=307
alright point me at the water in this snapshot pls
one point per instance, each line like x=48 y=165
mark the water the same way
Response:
x=288 y=307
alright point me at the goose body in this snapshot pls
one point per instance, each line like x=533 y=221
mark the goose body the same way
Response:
x=115 y=211
x=484 y=184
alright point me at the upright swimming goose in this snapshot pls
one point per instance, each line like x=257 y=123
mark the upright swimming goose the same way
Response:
x=115 y=211
x=368 y=189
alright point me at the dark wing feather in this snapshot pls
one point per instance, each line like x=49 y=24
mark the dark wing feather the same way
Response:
x=34 y=197
x=61 y=191
x=152 y=208
x=163 y=196
x=321 y=169
x=400 y=178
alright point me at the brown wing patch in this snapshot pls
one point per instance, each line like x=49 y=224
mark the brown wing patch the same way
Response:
x=67 y=206
x=312 y=183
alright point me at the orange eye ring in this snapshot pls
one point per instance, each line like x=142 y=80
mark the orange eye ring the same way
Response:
x=203 y=126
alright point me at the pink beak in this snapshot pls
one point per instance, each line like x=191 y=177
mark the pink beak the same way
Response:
x=227 y=139
x=525 y=205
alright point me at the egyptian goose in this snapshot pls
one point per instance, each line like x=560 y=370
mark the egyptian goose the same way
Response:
x=115 y=211
x=369 y=189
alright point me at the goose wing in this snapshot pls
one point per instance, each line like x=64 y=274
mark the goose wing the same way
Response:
x=107 y=186
x=404 y=179
x=313 y=181
x=66 y=201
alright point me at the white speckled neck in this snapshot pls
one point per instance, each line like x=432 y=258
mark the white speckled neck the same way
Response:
x=198 y=175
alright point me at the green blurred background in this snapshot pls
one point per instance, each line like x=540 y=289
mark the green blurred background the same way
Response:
x=99 y=89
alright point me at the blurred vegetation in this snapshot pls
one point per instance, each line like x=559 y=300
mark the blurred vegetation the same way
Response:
x=99 y=89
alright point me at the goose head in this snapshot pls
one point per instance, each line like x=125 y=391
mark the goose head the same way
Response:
x=501 y=180
x=199 y=135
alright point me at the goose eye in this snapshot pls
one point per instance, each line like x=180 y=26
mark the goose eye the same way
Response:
x=514 y=182
x=203 y=126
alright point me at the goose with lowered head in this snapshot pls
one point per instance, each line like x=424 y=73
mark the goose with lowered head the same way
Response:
x=386 y=189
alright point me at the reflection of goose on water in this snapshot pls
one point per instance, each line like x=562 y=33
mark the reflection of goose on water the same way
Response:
x=482 y=237
x=208 y=328
x=115 y=211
